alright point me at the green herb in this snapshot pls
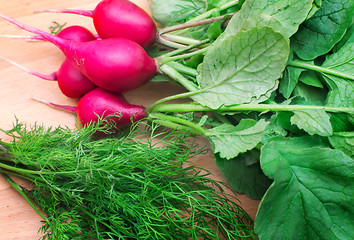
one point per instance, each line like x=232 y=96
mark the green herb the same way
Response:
x=56 y=28
x=135 y=186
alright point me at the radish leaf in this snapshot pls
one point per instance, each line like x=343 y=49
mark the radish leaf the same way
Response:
x=168 y=13
x=343 y=141
x=317 y=35
x=242 y=68
x=341 y=90
x=245 y=136
x=289 y=80
x=312 y=194
x=313 y=122
x=244 y=174
x=284 y=16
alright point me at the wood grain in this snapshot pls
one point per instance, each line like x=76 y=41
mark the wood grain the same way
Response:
x=17 y=218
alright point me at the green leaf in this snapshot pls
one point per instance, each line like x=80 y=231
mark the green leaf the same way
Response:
x=289 y=80
x=312 y=95
x=341 y=122
x=317 y=35
x=169 y=12
x=341 y=90
x=313 y=122
x=284 y=16
x=343 y=141
x=229 y=140
x=312 y=195
x=311 y=78
x=270 y=168
x=242 y=68
x=244 y=174
x=348 y=38
x=315 y=7
x=214 y=31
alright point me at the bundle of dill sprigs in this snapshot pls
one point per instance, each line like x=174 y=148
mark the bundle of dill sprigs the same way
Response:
x=132 y=186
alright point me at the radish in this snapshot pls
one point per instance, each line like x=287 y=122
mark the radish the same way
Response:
x=100 y=103
x=114 y=64
x=71 y=82
x=119 y=18
x=77 y=33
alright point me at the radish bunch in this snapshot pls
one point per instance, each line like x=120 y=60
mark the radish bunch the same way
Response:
x=99 y=70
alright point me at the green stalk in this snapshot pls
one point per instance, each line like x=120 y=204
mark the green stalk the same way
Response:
x=183 y=69
x=304 y=65
x=163 y=60
x=181 y=39
x=184 y=49
x=169 y=43
x=15 y=186
x=22 y=171
x=196 y=23
x=197 y=129
x=172 y=73
x=190 y=107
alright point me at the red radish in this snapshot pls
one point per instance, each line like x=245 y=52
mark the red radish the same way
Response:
x=71 y=82
x=100 y=103
x=77 y=33
x=114 y=64
x=119 y=18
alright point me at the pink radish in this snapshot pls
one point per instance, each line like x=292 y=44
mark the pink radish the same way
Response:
x=114 y=64
x=100 y=103
x=119 y=18
x=71 y=82
x=77 y=33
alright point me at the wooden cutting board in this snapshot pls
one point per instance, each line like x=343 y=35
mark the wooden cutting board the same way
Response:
x=17 y=218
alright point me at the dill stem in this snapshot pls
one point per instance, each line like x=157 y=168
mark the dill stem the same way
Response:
x=15 y=186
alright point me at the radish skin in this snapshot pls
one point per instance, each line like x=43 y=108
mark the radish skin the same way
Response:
x=71 y=82
x=77 y=33
x=114 y=64
x=100 y=103
x=119 y=18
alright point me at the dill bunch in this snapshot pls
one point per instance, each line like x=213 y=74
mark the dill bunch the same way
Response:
x=131 y=186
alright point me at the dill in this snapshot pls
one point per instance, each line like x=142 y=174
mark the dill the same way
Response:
x=132 y=186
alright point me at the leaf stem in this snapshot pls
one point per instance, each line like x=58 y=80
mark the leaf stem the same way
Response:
x=184 y=49
x=175 y=75
x=191 y=107
x=304 y=65
x=183 y=69
x=192 y=127
x=181 y=39
x=169 y=43
x=163 y=60
x=195 y=23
